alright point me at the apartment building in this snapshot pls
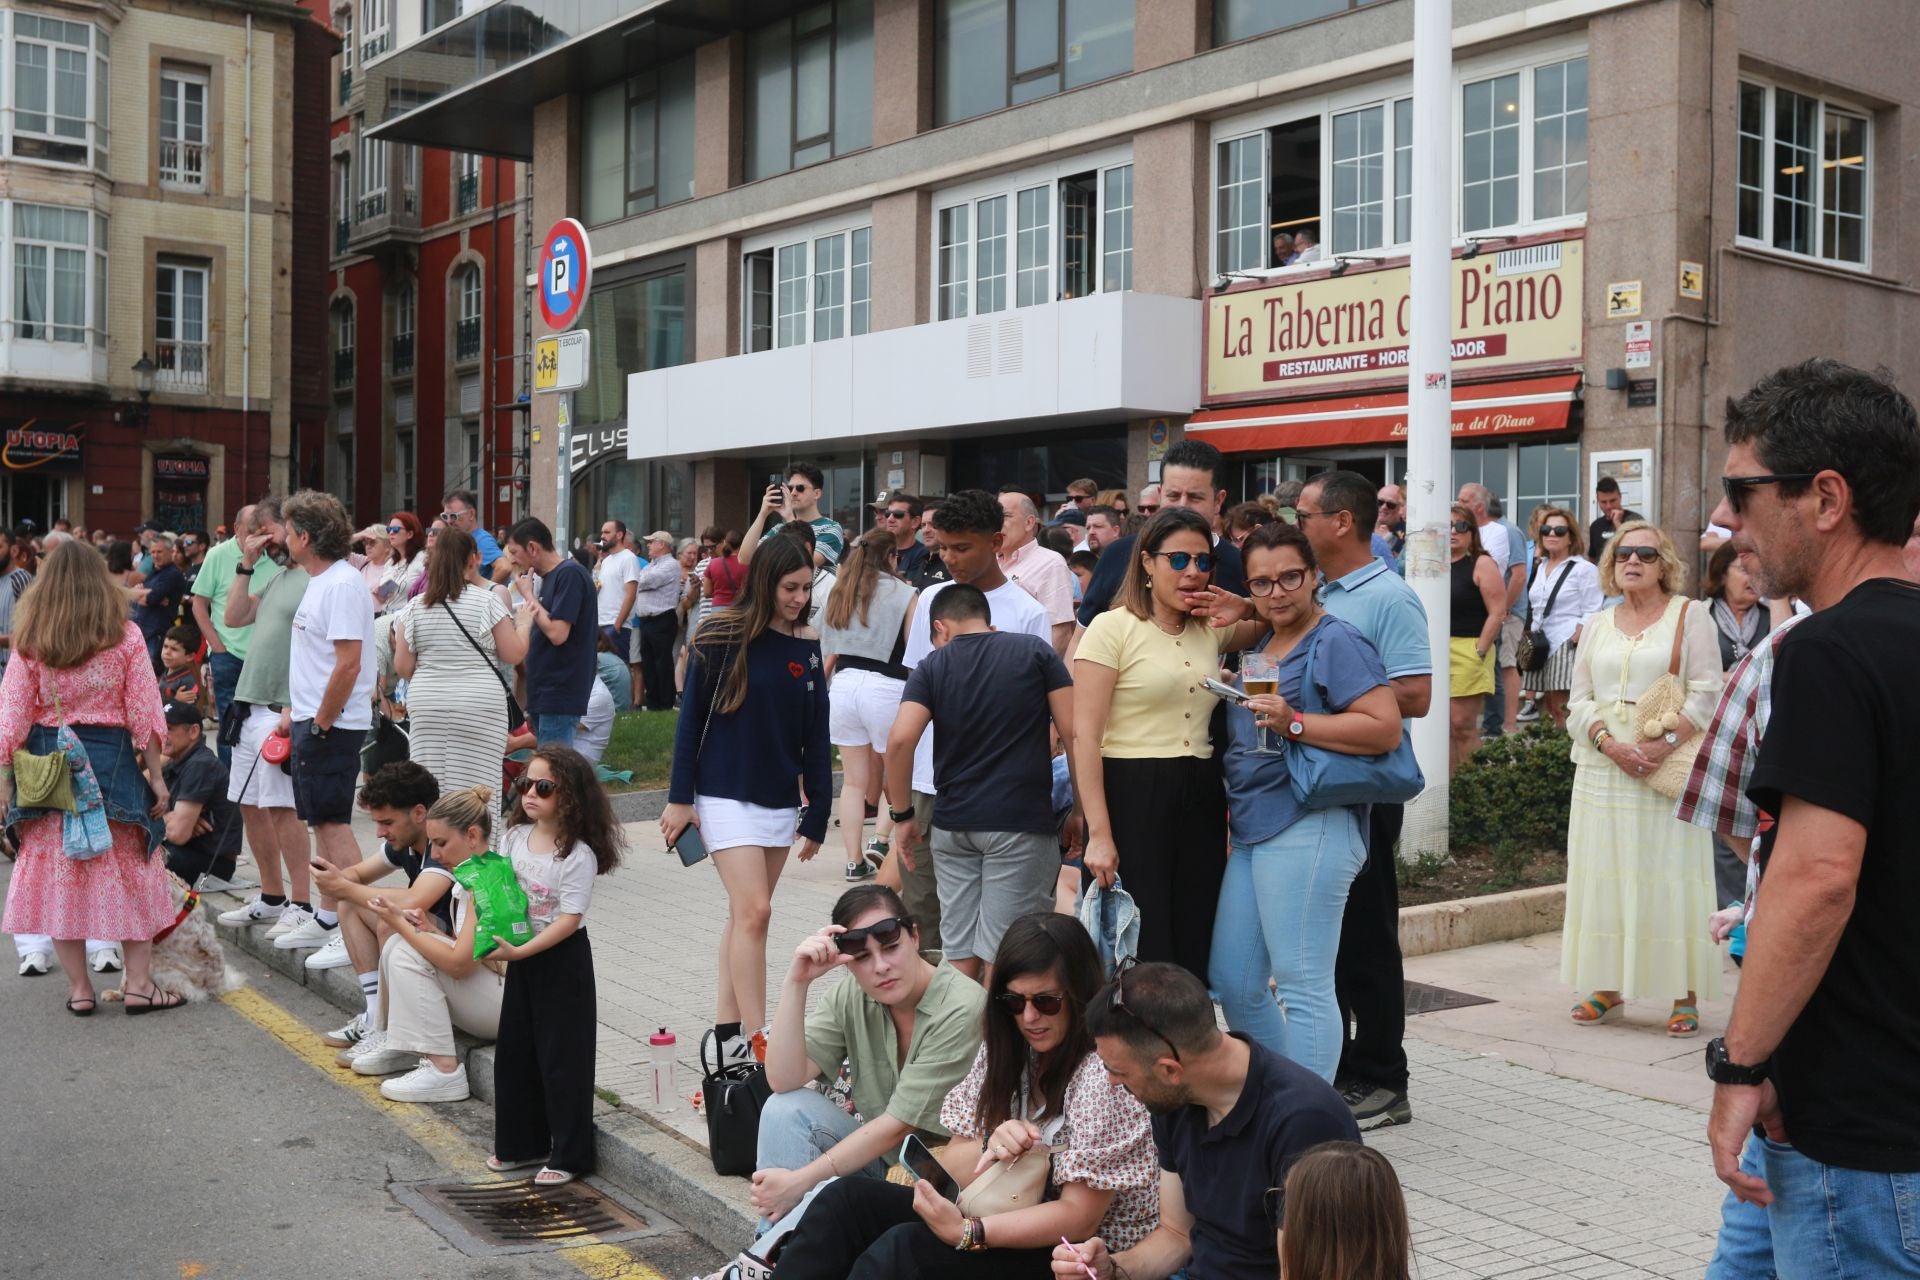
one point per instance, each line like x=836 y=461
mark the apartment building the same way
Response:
x=939 y=243
x=147 y=224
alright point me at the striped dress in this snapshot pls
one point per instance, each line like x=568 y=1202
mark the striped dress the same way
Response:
x=456 y=708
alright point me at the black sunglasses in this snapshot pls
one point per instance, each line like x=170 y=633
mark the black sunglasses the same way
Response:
x=1016 y=1004
x=1201 y=560
x=1554 y=531
x=1119 y=1003
x=1645 y=555
x=542 y=787
x=1289 y=580
x=1737 y=487
x=1147 y=509
x=1462 y=526
x=885 y=932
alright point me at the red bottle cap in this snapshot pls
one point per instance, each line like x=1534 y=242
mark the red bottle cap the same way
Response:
x=662 y=1036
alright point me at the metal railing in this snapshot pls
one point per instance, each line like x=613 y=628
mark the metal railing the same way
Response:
x=180 y=366
x=341 y=230
x=371 y=205
x=346 y=84
x=469 y=190
x=343 y=368
x=402 y=353
x=466 y=339
x=183 y=164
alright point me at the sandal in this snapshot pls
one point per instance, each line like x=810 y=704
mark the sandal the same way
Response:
x=497 y=1165
x=552 y=1177
x=1598 y=1011
x=73 y=1007
x=1683 y=1022
x=155 y=1001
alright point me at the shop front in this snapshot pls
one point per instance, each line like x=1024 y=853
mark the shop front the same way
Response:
x=1303 y=375
x=39 y=459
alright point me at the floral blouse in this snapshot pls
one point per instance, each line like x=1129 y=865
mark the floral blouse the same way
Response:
x=1107 y=1141
x=114 y=687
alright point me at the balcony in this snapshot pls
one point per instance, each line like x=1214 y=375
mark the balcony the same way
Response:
x=466 y=339
x=183 y=165
x=402 y=354
x=469 y=193
x=28 y=357
x=343 y=368
x=180 y=367
x=346 y=85
x=373 y=48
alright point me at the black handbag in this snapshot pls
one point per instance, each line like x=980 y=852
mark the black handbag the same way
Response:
x=232 y=721
x=515 y=716
x=1534 y=648
x=734 y=1097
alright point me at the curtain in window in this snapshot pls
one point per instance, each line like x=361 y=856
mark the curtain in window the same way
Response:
x=30 y=291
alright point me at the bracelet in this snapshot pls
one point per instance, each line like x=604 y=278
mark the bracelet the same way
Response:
x=243 y=571
x=973 y=1236
x=1599 y=737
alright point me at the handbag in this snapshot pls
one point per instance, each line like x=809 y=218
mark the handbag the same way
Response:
x=1534 y=648
x=1323 y=779
x=734 y=1097
x=232 y=721
x=515 y=716
x=1019 y=1183
x=1658 y=710
x=44 y=781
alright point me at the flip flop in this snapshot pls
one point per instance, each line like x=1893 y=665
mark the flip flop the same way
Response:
x=1603 y=1011
x=552 y=1177
x=1683 y=1022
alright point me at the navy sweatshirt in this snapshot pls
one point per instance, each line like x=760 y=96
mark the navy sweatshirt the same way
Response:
x=760 y=753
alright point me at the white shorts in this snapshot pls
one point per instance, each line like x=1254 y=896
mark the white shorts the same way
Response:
x=730 y=824
x=270 y=787
x=861 y=706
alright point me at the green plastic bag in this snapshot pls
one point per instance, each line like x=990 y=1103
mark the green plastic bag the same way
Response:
x=499 y=903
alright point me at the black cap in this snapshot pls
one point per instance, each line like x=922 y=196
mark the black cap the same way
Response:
x=184 y=713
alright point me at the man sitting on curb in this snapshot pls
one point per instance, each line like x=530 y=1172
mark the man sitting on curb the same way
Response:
x=203 y=826
x=1229 y=1120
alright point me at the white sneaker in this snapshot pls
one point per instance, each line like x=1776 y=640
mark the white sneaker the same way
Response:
x=350 y=1035
x=255 y=912
x=309 y=933
x=384 y=1061
x=331 y=955
x=105 y=960
x=35 y=964
x=428 y=1083
x=370 y=1042
x=291 y=918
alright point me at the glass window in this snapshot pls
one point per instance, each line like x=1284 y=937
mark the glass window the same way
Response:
x=1359 y=179
x=1490 y=153
x=99 y=280
x=1239 y=19
x=990 y=256
x=183 y=130
x=809 y=87
x=1560 y=139
x=1794 y=160
x=180 y=325
x=1033 y=240
x=1242 y=216
x=1751 y=166
x=637 y=325
x=860 y=285
x=1403 y=171
x=1117 y=217
x=790 y=295
x=636 y=143
x=756 y=282
x=50 y=288
x=59 y=90
x=990 y=54
x=1843 y=193
x=470 y=293
x=1079 y=235
x=1785 y=138
x=1064 y=237
x=829 y=287
x=1549 y=474
x=953 y=249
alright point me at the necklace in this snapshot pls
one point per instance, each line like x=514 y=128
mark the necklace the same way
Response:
x=1174 y=631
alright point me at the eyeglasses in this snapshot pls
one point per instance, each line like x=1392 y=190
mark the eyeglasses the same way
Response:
x=1462 y=526
x=1016 y=1004
x=1554 y=531
x=1179 y=560
x=1146 y=510
x=1289 y=581
x=450 y=517
x=1389 y=502
x=1077 y=498
x=396 y=528
x=542 y=787
x=1119 y=1003
x=1645 y=555
x=1301 y=513
x=896 y=515
x=1737 y=487
x=885 y=932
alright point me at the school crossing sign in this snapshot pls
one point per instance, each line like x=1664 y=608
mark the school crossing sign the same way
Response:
x=565 y=273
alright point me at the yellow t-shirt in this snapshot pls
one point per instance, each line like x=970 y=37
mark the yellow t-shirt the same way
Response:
x=1160 y=707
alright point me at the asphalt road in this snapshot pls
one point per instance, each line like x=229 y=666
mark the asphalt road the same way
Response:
x=216 y=1143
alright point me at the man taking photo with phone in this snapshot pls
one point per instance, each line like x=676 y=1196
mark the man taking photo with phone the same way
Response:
x=798 y=499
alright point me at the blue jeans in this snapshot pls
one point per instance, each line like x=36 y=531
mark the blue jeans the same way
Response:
x=1745 y=1250
x=1281 y=905
x=1830 y=1223
x=555 y=731
x=796 y=1129
x=225 y=669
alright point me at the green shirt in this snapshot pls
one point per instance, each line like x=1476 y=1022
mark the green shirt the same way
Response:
x=848 y=1024
x=263 y=679
x=212 y=584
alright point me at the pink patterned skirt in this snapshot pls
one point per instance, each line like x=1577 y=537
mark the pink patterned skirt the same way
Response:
x=121 y=895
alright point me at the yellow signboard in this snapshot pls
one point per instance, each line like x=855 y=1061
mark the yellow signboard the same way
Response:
x=1516 y=307
x=560 y=361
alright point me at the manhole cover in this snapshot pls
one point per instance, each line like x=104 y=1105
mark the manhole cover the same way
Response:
x=485 y=1218
x=1422 y=998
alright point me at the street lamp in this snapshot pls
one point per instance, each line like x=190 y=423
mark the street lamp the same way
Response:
x=143 y=383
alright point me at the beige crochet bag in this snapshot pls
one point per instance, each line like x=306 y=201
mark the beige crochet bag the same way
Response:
x=1658 y=711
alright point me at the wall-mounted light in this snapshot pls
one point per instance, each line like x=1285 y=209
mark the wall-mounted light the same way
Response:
x=143 y=383
x=1226 y=278
x=1474 y=243
x=1340 y=265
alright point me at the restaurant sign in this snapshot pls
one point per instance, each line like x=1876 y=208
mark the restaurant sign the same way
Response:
x=36 y=443
x=1517 y=308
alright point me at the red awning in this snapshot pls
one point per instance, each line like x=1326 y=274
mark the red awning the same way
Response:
x=1524 y=406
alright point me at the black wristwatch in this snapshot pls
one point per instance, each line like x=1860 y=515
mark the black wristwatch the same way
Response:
x=243 y=570
x=898 y=815
x=1722 y=1071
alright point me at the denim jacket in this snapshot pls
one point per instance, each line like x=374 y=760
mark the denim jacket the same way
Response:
x=116 y=766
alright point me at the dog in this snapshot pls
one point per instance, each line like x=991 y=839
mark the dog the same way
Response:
x=188 y=958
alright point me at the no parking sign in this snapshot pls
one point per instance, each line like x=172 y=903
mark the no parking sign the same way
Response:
x=566 y=273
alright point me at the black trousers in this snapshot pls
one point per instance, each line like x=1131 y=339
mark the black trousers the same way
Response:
x=866 y=1229
x=543 y=1064
x=656 y=658
x=1368 y=976
x=1169 y=820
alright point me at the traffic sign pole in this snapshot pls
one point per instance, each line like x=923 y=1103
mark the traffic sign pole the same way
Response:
x=563 y=502
x=566 y=275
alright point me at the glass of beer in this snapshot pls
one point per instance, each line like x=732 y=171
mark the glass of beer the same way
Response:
x=1260 y=675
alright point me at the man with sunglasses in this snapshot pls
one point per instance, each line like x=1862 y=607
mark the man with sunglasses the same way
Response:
x=461 y=509
x=1190 y=478
x=798 y=499
x=901 y=518
x=1229 y=1119
x=1391 y=528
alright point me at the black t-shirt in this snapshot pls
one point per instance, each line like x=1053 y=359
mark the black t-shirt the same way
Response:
x=991 y=760
x=414 y=863
x=1111 y=570
x=1284 y=1111
x=165 y=590
x=1843 y=735
x=559 y=677
x=1601 y=532
x=202 y=779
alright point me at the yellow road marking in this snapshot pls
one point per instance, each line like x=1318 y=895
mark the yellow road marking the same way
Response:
x=441 y=1140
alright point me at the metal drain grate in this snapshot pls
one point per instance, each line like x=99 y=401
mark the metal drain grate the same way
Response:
x=1422 y=998
x=483 y=1218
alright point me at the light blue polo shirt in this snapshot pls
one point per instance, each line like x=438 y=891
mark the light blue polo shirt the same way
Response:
x=1384 y=609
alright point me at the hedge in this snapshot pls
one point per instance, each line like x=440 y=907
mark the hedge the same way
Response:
x=1515 y=791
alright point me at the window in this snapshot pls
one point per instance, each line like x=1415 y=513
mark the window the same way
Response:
x=1241 y=197
x=1033 y=239
x=403 y=324
x=1359 y=179
x=1509 y=175
x=1079 y=235
x=409 y=179
x=180 y=324
x=815 y=281
x=372 y=199
x=404 y=464
x=100 y=280
x=637 y=143
x=810 y=87
x=990 y=54
x=50 y=257
x=1117 y=222
x=1240 y=19
x=183 y=130
x=636 y=325
x=466 y=330
x=1490 y=154
x=346 y=53
x=990 y=256
x=1785 y=139
x=59 y=91
x=343 y=197
x=953 y=248
x=466 y=183
x=343 y=344
x=469 y=473
x=373 y=19
x=998 y=248
x=1560 y=139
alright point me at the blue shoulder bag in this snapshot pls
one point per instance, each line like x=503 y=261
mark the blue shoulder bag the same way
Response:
x=1323 y=779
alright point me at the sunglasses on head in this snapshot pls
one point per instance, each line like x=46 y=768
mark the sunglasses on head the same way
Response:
x=1554 y=531
x=542 y=787
x=1119 y=1004
x=1645 y=555
x=1201 y=560
x=885 y=932
x=1737 y=487
x=1287 y=580
x=1016 y=1004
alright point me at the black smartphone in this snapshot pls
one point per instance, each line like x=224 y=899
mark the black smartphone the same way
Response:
x=690 y=846
x=779 y=482
x=924 y=1165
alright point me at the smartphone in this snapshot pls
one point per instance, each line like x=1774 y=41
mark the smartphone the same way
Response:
x=1225 y=691
x=778 y=481
x=690 y=846
x=925 y=1166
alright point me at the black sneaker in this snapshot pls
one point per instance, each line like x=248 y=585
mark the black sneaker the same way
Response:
x=1376 y=1107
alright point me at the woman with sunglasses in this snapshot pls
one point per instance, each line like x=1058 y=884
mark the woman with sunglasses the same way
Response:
x=407 y=558
x=1115 y=499
x=1035 y=1084
x=1479 y=608
x=1562 y=593
x=1148 y=773
x=906 y=1027
x=1639 y=881
x=1290 y=867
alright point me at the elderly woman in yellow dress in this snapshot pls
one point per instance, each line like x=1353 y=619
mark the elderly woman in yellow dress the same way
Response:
x=1638 y=881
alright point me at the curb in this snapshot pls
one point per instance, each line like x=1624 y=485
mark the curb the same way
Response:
x=1468 y=922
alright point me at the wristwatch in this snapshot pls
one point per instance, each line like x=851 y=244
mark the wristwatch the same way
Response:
x=243 y=570
x=1297 y=725
x=1673 y=739
x=1722 y=1071
x=899 y=815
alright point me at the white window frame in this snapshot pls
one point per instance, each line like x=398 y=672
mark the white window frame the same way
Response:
x=470 y=292
x=373 y=18
x=188 y=171
x=1523 y=60
x=1010 y=186
x=180 y=378
x=405 y=310
x=1822 y=104
x=371 y=160
x=93 y=313
x=800 y=247
x=95 y=134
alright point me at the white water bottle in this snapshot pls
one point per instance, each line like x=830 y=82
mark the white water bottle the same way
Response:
x=661 y=1047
